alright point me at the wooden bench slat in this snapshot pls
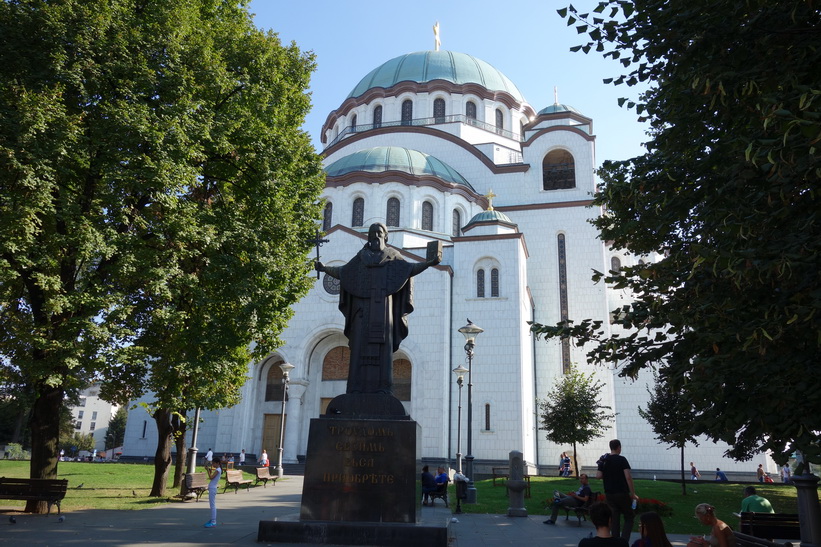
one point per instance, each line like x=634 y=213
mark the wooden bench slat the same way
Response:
x=51 y=491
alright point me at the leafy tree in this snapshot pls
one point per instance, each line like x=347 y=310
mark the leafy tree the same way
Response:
x=147 y=151
x=727 y=192
x=670 y=414
x=75 y=441
x=115 y=435
x=571 y=412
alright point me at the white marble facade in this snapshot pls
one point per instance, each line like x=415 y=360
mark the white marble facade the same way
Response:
x=519 y=238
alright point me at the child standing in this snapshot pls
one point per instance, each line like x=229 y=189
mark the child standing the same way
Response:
x=214 y=473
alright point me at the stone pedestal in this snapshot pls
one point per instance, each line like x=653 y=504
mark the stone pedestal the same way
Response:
x=361 y=480
x=809 y=513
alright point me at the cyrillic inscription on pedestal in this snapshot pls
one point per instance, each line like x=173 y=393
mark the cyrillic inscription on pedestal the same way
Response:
x=361 y=470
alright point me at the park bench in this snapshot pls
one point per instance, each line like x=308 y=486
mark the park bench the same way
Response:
x=51 y=491
x=583 y=510
x=504 y=473
x=196 y=483
x=264 y=475
x=744 y=540
x=441 y=492
x=233 y=478
x=770 y=525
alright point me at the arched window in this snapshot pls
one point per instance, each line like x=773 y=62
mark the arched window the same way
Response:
x=439 y=110
x=521 y=131
x=480 y=284
x=407 y=112
x=327 y=216
x=427 y=215
x=500 y=120
x=336 y=363
x=377 y=117
x=392 y=214
x=470 y=111
x=494 y=283
x=457 y=223
x=615 y=264
x=402 y=376
x=353 y=122
x=273 y=382
x=358 y=216
x=558 y=170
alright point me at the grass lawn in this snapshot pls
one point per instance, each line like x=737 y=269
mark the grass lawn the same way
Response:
x=111 y=486
x=726 y=497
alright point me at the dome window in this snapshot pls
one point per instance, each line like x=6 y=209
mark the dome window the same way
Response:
x=392 y=214
x=456 y=230
x=439 y=110
x=470 y=111
x=427 y=216
x=377 y=117
x=407 y=112
x=558 y=170
x=358 y=216
x=353 y=122
x=500 y=121
x=615 y=264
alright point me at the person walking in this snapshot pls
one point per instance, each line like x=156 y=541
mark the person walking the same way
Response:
x=694 y=474
x=214 y=473
x=614 y=470
x=760 y=473
x=242 y=458
x=785 y=474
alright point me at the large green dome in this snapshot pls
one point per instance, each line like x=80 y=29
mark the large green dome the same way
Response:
x=395 y=158
x=426 y=66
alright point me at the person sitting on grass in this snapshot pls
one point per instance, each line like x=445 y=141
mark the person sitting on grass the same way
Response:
x=600 y=515
x=651 y=528
x=571 y=500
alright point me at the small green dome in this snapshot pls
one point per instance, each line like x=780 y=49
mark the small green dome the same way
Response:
x=395 y=158
x=556 y=108
x=426 y=66
x=491 y=215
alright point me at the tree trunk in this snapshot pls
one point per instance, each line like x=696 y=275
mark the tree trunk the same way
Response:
x=575 y=460
x=683 y=484
x=45 y=434
x=182 y=453
x=162 y=458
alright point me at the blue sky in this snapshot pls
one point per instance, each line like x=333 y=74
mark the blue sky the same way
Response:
x=525 y=39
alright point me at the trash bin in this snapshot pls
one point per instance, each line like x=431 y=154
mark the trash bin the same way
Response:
x=461 y=489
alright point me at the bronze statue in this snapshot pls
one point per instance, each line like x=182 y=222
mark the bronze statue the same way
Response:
x=376 y=295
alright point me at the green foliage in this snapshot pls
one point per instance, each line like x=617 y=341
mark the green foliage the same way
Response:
x=14 y=451
x=115 y=435
x=156 y=200
x=571 y=412
x=76 y=441
x=727 y=193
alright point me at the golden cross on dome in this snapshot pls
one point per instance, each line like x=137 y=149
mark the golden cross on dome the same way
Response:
x=490 y=195
x=437 y=42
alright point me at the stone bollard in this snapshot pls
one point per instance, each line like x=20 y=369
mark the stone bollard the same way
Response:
x=809 y=513
x=516 y=486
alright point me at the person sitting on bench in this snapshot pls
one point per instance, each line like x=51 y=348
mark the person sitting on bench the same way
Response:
x=571 y=500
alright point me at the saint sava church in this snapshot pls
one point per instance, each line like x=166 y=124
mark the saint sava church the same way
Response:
x=442 y=147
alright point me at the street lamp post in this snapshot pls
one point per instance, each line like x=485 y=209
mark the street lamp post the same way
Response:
x=286 y=369
x=470 y=332
x=460 y=372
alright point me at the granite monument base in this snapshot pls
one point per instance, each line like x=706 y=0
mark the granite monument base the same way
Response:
x=360 y=484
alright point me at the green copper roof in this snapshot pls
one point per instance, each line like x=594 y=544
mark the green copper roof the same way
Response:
x=555 y=108
x=394 y=158
x=425 y=66
x=491 y=215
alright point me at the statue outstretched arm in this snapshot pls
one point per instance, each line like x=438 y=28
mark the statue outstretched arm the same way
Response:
x=333 y=271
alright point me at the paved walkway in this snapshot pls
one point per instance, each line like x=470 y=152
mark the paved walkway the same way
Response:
x=181 y=524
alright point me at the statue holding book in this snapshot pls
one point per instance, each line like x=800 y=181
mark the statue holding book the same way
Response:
x=376 y=295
